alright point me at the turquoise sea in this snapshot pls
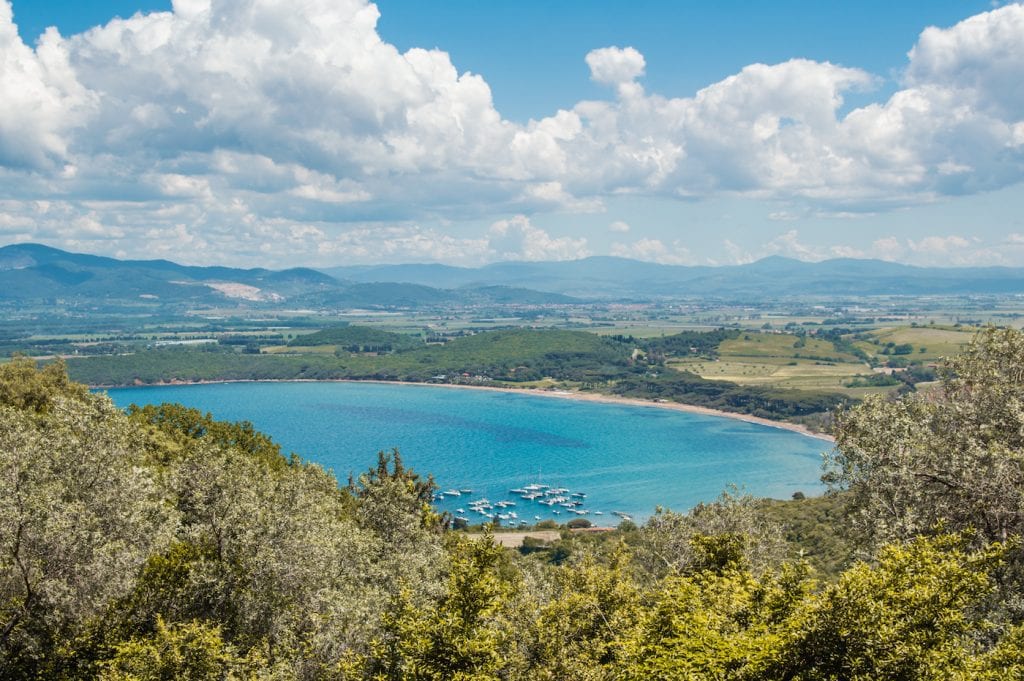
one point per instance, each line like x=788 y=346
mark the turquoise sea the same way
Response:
x=624 y=458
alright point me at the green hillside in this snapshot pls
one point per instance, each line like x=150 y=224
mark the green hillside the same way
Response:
x=358 y=339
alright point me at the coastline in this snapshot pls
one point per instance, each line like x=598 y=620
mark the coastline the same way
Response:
x=560 y=394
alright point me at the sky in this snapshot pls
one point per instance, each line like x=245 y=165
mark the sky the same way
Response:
x=330 y=132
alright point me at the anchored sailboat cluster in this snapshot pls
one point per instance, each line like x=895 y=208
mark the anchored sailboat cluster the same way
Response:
x=556 y=499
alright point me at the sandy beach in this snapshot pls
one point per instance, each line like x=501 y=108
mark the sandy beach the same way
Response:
x=554 y=394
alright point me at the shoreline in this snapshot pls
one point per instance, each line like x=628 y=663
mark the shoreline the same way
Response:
x=560 y=394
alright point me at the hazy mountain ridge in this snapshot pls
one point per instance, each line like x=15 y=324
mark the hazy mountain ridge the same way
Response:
x=775 y=276
x=33 y=272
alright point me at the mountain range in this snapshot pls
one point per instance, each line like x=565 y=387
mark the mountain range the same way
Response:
x=33 y=272
x=41 y=274
x=771 y=277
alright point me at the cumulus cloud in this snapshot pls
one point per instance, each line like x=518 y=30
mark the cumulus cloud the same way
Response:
x=888 y=248
x=790 y=245
x=512 y=239
x=41 y=101
x=242 y=120
x=654 y=250
x=981 y=55
x=619 y=226
x=399 y=243
x=517 y=239
x=618 y=67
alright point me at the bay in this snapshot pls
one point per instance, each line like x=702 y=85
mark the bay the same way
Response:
x=624 y=458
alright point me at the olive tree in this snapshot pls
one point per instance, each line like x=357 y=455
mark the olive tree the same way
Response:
x=79 y=515
x=952 y=456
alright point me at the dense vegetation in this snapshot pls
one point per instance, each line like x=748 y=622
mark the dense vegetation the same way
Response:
x=617 y=365
x=358 y=339
x=161 y=544
x=760 y=401
x=703 y=343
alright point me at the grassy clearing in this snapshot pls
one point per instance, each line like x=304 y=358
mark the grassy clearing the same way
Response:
x=771 y=345
x=783 y=361
x=937 y=342
x=782 y=372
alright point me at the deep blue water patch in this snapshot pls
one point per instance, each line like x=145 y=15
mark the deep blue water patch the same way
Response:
x=624 y=458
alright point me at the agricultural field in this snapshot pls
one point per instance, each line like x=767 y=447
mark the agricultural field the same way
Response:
x=811 y=364
x=928 y=343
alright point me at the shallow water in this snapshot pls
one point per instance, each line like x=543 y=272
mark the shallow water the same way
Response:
x=624 y=458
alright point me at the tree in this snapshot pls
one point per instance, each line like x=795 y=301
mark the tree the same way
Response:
x=587 y=605
x=189 y=650
x=953 y=456
x=719 y=621
x=460 y=637
x=668 y=543
x=79 y=515
x=912 y=616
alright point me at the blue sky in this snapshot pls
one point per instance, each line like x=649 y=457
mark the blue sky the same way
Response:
x=686 y=133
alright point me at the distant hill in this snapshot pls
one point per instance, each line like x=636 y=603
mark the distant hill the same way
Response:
x=775 y=276
x=45 y=275
x=33 y=271
x=359 y=339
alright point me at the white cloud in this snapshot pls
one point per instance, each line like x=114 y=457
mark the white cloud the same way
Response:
x=788 y=244
x=617 y=66
x=619 y=226
x=981 y=55
x=173 y=184
x=654 y=250
x=398 y=244
x=517 y=239
x=888 y=248
x=40 y=99
x=938 y=244
x=842 y=251
x=553 y=195
x=736 y=254
x=783 y=216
